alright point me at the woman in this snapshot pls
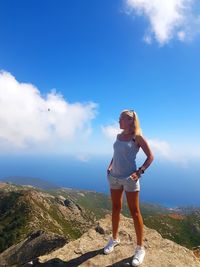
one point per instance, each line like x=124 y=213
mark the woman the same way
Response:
x=123 y=174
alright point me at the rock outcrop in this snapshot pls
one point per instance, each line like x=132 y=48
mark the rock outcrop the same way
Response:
x=36 y=244
x=88 y=249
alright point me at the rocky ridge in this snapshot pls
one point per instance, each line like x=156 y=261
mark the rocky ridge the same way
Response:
x=88 y=249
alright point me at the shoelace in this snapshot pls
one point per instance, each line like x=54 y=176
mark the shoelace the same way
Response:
x=112 y=242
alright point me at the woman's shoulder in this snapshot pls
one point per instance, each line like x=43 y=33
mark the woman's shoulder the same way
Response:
x=138 y=139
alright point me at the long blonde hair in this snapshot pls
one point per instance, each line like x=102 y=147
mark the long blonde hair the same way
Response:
x=132 y=114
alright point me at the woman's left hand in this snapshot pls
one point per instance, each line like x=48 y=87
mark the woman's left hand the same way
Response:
x=135 y=176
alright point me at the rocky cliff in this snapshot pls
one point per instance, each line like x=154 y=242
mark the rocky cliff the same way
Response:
x=88 y=249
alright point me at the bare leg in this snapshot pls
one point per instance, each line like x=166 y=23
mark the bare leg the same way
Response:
x=133 y=203
x=116 y=196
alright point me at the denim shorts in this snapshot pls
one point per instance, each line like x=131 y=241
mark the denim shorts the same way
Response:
x=127 y=183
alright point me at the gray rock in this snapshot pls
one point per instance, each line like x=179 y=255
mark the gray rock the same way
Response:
x=37 y=243
x=87 y=251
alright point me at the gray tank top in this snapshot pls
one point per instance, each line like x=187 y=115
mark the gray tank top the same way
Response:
x=124 y=157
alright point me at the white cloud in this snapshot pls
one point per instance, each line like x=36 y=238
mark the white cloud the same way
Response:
x=161 y=149
x=110 y=131
x=28 y=119
x=168 y=19
x=181 y=35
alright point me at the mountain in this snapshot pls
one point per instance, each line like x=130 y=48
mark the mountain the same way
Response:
x=87 y=251
x=45 y=220
x=32 y=181
x=181 y=225
x=24 y=209
x=183 y=229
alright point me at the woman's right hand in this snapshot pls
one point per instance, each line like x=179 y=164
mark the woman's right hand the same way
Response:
x=135 y=176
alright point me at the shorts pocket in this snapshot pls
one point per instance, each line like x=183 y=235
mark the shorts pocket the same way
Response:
x=131 y=179
x=111 y=179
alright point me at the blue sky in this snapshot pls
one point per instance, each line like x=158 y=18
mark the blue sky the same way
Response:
x=88 y=60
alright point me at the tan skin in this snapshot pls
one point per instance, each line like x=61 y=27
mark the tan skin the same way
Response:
x=127 y=124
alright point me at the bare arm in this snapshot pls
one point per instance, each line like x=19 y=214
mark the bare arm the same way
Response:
x=110 y=165
x=145 y=147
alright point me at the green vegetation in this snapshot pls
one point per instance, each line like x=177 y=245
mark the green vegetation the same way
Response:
x=181 y=231
x=69 y=228
x=100 y=204
x=13 y=218
x=96 y=203
x=184 y=230
x=18 y=208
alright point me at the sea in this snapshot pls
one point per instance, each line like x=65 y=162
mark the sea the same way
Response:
x=170 y=184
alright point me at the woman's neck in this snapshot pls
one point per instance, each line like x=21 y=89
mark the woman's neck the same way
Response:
x=127 y=133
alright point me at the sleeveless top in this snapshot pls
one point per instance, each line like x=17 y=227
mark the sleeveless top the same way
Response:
x=124 y=156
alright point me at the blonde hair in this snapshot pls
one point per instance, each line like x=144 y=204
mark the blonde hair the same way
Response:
x=133 y=114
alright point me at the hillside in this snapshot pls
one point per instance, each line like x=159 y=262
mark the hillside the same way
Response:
x=31 y=181
x=69 y=213
x=181 y=225
x=183 y=229
x=87 y=251
x=24 y=209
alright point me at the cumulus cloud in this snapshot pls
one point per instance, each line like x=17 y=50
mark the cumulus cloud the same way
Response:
x=160 y=147
x=164 y=150
x=29 y=119
x=110 y=131
x=168 y=19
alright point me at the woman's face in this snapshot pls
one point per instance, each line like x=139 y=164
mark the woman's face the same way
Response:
x=126 y=122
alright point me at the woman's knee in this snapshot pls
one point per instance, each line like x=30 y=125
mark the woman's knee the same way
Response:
x=135 y=212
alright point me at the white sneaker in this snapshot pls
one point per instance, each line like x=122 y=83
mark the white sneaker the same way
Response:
x=139 y=256
x=110 y=246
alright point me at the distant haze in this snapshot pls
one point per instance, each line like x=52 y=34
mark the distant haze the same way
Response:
x=165 y=184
